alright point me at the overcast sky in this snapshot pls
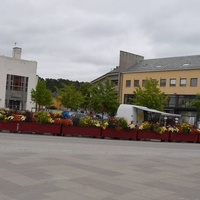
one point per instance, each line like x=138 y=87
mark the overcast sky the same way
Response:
x=80 y=40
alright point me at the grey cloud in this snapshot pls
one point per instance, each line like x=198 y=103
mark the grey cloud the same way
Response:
x=69 y=38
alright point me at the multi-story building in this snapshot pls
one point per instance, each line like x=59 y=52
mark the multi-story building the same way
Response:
x=17 y=79
x=126 y=60
x=178 y=77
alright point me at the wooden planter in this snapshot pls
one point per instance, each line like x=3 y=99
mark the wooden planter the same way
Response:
x=184 y=137
x=81 y=131
x=9 y=126
x=152 y=135
x=28 y=127
x=119 y=134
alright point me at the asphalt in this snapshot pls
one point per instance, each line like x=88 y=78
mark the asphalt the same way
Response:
x=45 y=167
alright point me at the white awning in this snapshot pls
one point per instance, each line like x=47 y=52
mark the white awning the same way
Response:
x=157 y=111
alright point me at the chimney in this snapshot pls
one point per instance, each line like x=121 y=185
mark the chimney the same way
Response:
x=17 y=52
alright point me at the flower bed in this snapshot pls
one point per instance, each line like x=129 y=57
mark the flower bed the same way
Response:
x=119 y=134
x=152 y=135
x=184 y=137
x=29 y=127
x=53 y=123
x=81 y=131
x=10 y=126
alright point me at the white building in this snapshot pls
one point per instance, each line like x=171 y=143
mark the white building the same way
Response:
x=17 y=79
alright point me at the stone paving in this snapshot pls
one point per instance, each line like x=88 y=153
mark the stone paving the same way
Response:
x=38 y=167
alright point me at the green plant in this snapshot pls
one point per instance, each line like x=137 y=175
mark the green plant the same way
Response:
x=117 y=123
x=186 y=128
x=158 y=128
x=88 y=121
x=145 y=126
x=42 y=117
x=2 y=116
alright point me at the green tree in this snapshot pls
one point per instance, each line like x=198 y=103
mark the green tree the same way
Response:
x=69 y=96
x=85 y=90
x=41 y=95
x=150 y=95
x=196 y=104
x=103 y=98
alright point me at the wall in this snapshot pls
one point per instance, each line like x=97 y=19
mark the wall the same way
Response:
x=17 y=67
x=162 y=75
x=128 y=59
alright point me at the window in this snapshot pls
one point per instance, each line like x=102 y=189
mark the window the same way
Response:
x=162 y=82
x=16 y=83
x=183 y=82
x=136 y=83
x=128 y=83
x=172 y=82
x=172 y=101
x=193 y=82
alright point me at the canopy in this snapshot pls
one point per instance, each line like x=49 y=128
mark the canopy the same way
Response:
x=156 y=111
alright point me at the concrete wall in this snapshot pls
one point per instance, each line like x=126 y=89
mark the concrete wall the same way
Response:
x=128 y=59
x=19 y=67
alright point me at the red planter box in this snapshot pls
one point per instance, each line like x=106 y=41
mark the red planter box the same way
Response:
x=9 y=126
x=152 y=135
x=184 y=137
x=121 y=134
x=54 y=129
x=81 y=131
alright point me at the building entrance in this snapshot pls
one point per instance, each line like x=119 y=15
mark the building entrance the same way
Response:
x=14 y=104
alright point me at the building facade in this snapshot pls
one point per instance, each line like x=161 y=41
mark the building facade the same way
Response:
x=126 y=60
x=178 y=77
x=17 y=79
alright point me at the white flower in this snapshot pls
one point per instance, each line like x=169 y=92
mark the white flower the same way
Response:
x=131 y=126
x=10 y=118
x=23 y=118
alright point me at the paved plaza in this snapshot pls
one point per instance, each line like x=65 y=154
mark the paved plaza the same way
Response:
x=41 y=167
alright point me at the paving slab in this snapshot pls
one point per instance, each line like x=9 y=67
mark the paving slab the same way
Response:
x=45 y=167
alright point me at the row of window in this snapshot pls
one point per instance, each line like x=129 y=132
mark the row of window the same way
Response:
x=16 y=83
x=173 y=101
x=163 y=82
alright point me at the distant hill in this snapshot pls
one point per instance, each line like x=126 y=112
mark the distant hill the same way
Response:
x=52 y=83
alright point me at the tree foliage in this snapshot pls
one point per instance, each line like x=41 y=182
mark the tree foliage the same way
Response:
x=150 y=95
x=52 y=84
x=103 y=98
x=69 y=96
x=41 y=95
x=196 y=103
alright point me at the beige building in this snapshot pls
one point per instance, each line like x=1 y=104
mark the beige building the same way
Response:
x=178 y=77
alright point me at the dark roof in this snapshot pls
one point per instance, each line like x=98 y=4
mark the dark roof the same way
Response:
x=113 y=72
x=166 y=64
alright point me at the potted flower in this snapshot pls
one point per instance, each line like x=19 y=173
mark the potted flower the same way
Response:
x=87 y=127
x=186 y=128
x=10 y=120
x=41 y=122
x=145 y=126
x=183 y=133
x=118 y=128
x=148 y=131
